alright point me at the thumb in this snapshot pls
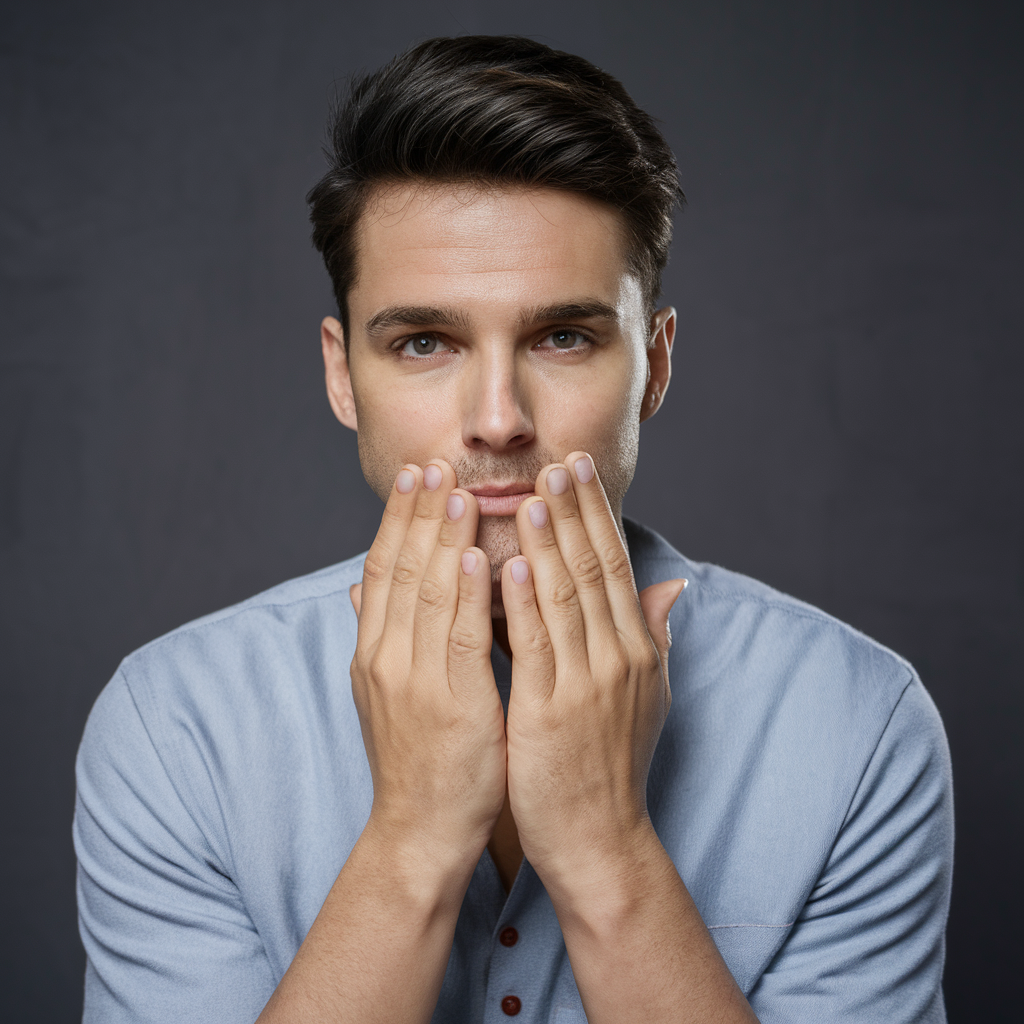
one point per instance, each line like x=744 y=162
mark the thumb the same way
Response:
x=355 y=593
x=656 y=602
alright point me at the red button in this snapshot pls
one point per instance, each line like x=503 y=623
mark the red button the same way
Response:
x=508 y=937
x=511 y=1005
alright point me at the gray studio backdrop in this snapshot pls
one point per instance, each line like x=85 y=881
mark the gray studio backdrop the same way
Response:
x=844 y=422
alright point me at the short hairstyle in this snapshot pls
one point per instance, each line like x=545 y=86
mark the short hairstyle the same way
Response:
x=495 y=110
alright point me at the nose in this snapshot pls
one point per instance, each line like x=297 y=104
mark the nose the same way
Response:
x=495 y=402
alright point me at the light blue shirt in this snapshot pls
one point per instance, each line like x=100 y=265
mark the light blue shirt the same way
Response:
x=801 y=785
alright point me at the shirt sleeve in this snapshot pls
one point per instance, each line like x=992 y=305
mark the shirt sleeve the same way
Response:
x=165 y=930
x=869 y=944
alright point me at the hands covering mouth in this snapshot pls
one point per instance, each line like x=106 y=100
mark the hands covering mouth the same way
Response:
x=589 y=671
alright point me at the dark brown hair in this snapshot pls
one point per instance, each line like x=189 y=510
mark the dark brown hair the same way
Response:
x=495 y=110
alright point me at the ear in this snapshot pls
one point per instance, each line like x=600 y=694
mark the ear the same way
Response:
x=336 y=372
x=659 y=360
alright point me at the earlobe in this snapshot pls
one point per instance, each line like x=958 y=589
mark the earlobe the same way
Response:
x=659 y=361
x=336 y=372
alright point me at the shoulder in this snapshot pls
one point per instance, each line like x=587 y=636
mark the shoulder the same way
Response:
x=289 y=617
x=244 y=670
x=733 y=625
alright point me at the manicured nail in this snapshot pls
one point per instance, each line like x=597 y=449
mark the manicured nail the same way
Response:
x=538 y=513
x=558 y=480
x=468 y=563
x=455 y=507
x=584 y=470
x=520 y=570
x=432 y=476
x=406 y=481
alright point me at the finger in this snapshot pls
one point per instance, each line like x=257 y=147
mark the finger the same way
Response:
x=556 y=596
x=533 y=657
x=469 y=641
x=380 y=559
x=439 y=590
x=578 y=555
x=656 y=603
x=603 y=533
x=355 y=595
x=415 y=553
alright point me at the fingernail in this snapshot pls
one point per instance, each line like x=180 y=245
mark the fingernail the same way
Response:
x=455 y=507
x=584 y=470
x=405 y=482
x=538 y=513
x=468 y=563
x=520 y=569
x=432 y=477
x=558 y=480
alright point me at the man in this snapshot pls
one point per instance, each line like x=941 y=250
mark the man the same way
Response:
x=450 y=780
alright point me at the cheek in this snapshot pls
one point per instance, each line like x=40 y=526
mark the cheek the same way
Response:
x=397 y=430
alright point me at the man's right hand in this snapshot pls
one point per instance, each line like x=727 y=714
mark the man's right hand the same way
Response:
x=430 y=713
x=434 y=732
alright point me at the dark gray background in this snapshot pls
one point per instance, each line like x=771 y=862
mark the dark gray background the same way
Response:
x=845 y=421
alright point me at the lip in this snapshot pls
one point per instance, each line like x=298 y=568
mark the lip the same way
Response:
x=501 y=500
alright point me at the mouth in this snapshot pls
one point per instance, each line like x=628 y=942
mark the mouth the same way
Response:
x=501 y=500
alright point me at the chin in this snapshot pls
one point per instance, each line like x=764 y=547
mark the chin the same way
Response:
x=496 y=536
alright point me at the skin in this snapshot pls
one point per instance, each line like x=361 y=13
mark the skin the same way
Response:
x=499 y=344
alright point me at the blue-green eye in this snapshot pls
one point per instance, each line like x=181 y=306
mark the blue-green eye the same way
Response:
x=564 y=340
x=421 y=345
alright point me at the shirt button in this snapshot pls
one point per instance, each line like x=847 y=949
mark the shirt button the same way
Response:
x=511 y=1005
x=508 y=937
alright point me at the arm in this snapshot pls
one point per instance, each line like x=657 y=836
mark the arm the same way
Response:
x=433 y=728
x=869 y=943
x=589 y=698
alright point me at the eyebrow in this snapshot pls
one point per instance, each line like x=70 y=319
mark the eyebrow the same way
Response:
x=390 y=317
x=414 y=316
x=585 y=309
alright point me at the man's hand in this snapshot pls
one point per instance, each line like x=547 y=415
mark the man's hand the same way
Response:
x=430 y=713
x=434 y=732
x=589 y=678
x=589 y=698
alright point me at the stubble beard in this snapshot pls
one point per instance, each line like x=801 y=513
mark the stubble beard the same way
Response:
x=497 y=536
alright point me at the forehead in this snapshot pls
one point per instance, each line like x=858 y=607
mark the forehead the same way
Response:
x=467 y=244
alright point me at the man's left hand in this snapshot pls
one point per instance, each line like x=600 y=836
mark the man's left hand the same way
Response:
x=590 y=689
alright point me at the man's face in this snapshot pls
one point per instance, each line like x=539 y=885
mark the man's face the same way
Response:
x=498 y=330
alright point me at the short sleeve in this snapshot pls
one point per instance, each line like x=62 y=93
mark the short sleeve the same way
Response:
x=869 y=943
x=165 y=930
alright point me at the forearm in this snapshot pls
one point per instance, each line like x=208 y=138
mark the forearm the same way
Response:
x=380 y=944
x=637 y=944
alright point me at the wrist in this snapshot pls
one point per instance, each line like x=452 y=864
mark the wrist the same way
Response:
x=421 y=863
x=600 y=886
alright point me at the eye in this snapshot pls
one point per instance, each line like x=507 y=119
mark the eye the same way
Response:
x=565 y=339
x=421 y=345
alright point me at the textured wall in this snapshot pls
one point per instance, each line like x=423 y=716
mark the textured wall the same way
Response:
x=845 y=421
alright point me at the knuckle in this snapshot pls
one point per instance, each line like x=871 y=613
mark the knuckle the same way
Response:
x=537 y=644
x=586 y=568
x=563 y=594
x=616 y=664
x=462 y=646
x=648 y=659
x=425 y=510
x=432 y=594
x=392 y=516
x=447 y=538
x=382 y=670
x=375 y=569
x=617 y=564
x=406 y=570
